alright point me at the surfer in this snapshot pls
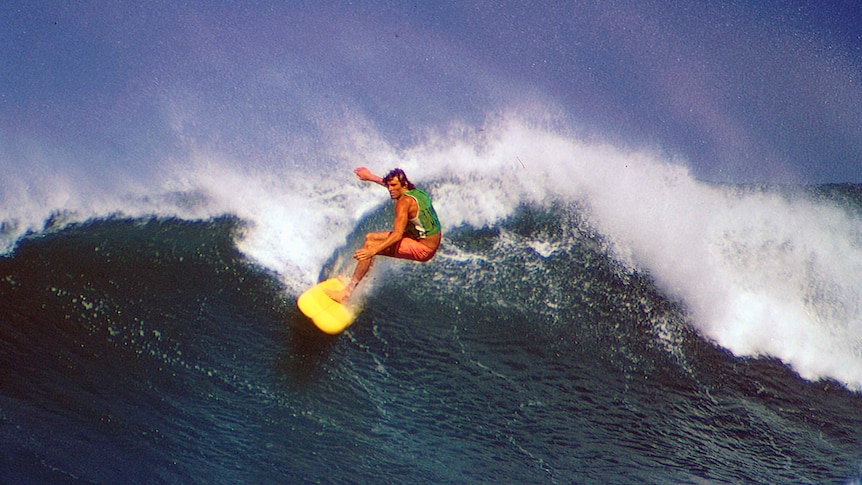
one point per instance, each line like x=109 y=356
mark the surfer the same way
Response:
x=415 y=233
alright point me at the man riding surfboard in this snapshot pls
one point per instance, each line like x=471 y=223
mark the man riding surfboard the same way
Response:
x=415 y=234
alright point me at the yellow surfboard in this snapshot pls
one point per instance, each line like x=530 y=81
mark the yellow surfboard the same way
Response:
x=329 y=315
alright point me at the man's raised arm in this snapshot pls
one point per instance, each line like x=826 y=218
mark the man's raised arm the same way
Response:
x=364 y=174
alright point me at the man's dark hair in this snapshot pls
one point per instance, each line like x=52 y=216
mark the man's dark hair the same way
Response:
x=402 y=177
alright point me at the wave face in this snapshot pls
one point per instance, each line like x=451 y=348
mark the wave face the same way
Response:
x=761 y=271
x=154 y=349
x=174 y=175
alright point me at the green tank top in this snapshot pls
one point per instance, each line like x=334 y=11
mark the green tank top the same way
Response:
x=425 y=223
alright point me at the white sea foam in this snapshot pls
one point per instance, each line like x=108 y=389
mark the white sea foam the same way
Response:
x=761 y=274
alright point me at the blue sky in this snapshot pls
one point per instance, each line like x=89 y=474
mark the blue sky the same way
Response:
x=743 y=91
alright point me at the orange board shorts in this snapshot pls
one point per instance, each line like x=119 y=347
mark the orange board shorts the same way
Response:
x=409 y=248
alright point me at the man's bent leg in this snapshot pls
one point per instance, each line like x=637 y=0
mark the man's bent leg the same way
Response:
x=413 y=250
x=362 y=268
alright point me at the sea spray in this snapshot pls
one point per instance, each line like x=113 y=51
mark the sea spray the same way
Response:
x=762 y=272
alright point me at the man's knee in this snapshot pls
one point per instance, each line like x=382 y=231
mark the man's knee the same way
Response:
x=375 y=237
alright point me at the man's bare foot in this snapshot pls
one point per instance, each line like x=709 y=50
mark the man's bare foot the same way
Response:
x=340 y=296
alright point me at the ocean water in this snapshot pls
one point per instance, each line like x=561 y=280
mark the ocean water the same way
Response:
x=615 y=300
x=593 y=316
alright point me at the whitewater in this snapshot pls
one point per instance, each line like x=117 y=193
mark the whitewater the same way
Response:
x=762 y=271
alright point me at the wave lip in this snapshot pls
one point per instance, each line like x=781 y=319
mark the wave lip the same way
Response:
x=762 y=271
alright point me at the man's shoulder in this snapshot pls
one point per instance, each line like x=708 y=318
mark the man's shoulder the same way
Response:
x=405 y=201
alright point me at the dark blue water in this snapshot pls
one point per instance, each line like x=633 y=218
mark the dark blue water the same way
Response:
x=153 y=351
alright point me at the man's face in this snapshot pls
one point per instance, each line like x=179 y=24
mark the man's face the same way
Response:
x=396 y=190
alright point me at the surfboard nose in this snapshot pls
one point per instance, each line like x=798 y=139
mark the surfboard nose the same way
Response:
x=327 y=314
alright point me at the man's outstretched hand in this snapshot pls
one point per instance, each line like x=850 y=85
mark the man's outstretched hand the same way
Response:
x=364 y=174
